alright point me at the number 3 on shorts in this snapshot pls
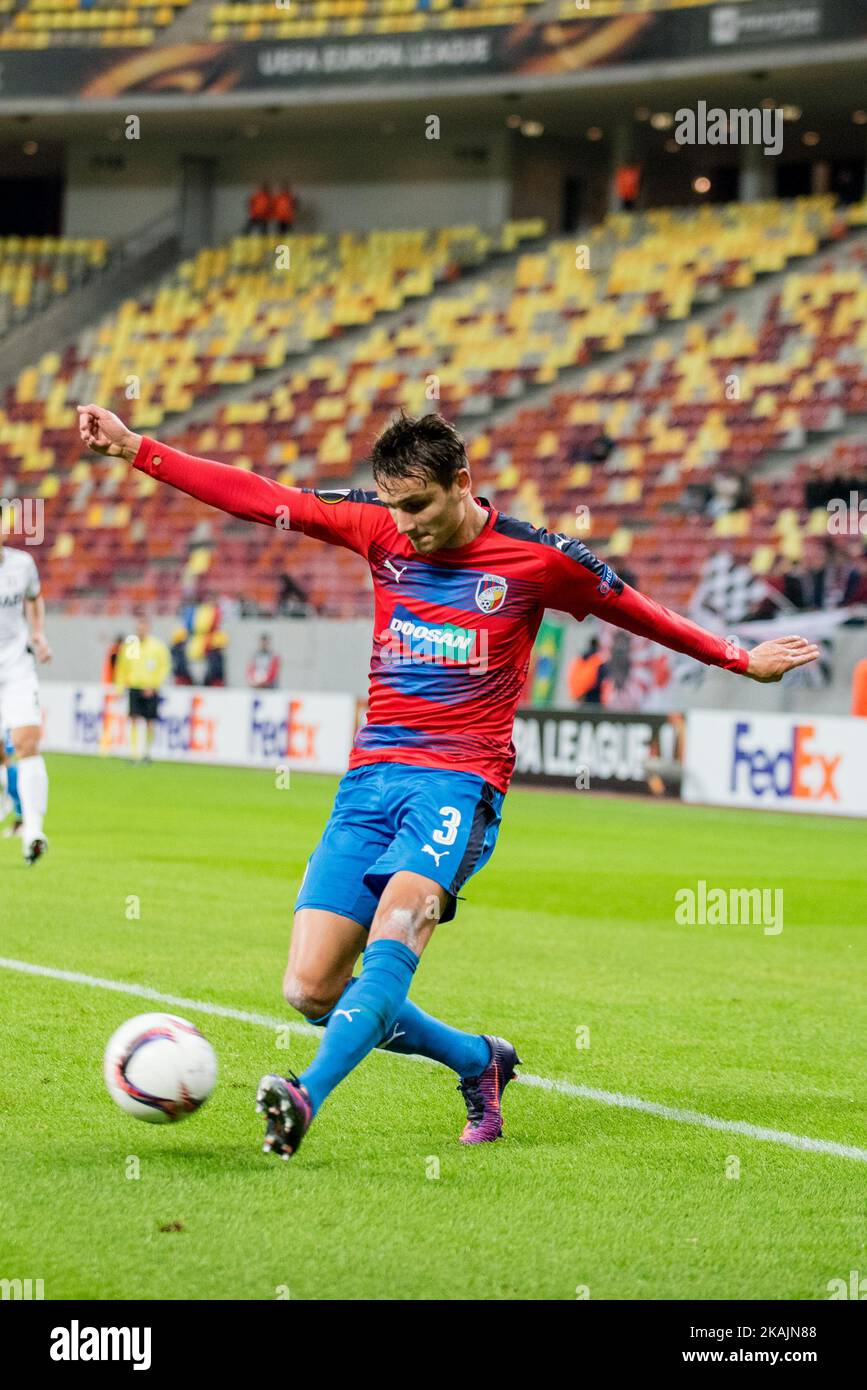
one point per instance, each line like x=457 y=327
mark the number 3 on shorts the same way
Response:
x=451 y=820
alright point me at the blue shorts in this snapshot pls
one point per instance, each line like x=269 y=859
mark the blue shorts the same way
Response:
x=391 y=816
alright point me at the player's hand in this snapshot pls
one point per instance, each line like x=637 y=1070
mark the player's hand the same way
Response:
x=41 y=649
x=105 y=433
x=771 y=660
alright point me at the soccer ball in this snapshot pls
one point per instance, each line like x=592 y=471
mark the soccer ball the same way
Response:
x=159 y=1067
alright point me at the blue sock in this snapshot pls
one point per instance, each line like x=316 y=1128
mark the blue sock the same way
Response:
x=413 y=1031
x=12 y=788
x=351 y=1033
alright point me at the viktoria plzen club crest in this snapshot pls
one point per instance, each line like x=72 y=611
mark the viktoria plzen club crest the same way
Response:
x=491 y=592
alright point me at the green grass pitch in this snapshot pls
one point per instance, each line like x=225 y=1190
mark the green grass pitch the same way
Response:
x=571 y=926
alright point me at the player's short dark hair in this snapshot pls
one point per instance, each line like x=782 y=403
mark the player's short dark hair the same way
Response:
x=428 y=448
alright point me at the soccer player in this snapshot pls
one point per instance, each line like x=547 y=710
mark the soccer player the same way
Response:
x=22 y=644
x=459 y=591
x=10 y=801
x=142 y=665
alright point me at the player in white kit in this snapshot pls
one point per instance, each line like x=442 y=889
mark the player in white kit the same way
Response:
x=22 y=644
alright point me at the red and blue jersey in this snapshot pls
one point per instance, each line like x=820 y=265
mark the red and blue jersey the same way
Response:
x=453 y=628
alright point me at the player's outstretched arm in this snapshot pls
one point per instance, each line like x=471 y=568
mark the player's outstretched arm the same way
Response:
x=578 y=583
x=768 y=662
x=235 y=490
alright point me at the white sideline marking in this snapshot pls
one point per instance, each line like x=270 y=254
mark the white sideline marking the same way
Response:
x=563 y=1088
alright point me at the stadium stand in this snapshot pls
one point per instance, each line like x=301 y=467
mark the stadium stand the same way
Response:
x=39 y=24
x=672 y=427
x=719 y=405
x=248 y=20
x=605 y=8
x=217 y=320
x=34 y=271
x=61 y=23
x=237 y=309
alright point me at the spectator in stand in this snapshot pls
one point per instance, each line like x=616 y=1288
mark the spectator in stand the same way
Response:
x=842 y=576
x=596 y=451
x=215 y=660
x=284 y=208
x=826 y=576
x=695 y=498
x=263 y=670
x=775 y=599
x=732 y=491
x=178 y=651
x=259 y=209
x=796 y=584
x=292 y=601
x=820 y=581
x=744 y=491
x=859 y=560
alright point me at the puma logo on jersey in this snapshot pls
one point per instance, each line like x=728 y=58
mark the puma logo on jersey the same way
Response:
x=427 y=850
x=396 y=572
x=346 y=1013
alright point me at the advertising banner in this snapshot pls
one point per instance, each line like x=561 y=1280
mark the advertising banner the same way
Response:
x=598 y=751
x=257 y=728
x=777 y=762
x=547 y=49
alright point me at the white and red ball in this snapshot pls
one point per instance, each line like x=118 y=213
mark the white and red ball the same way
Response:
x=159 y=1067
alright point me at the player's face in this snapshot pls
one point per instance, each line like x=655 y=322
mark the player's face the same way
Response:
x=426 y=513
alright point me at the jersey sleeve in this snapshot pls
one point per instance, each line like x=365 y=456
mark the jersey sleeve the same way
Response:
x=577 y=582
x=346 y=517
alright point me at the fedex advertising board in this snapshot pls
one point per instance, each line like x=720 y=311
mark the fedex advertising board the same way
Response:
x=778 y=762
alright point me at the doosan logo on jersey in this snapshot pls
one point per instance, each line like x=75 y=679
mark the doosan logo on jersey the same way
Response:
x=797 y=769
